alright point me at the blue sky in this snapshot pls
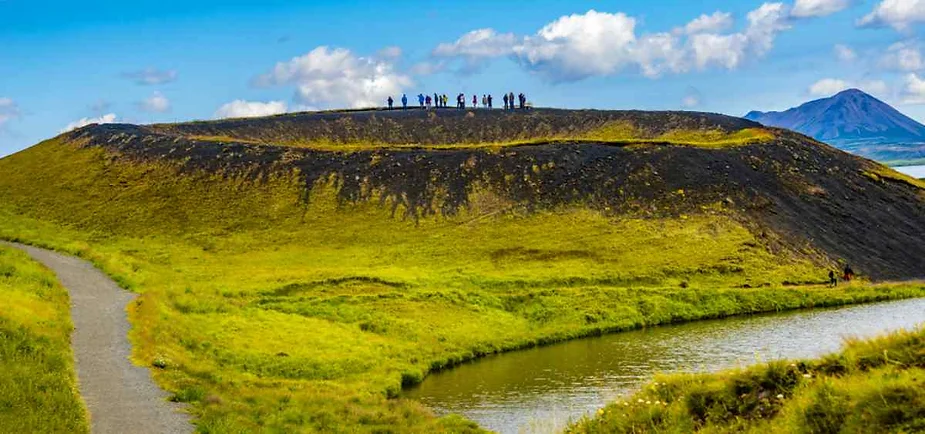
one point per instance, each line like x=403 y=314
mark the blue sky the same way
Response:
x=160 y=61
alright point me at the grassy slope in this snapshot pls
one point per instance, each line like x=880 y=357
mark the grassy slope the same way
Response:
x=272 y=315
x=38 y=392
x=872 y=386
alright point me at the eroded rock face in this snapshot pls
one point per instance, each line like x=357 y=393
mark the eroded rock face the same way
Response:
x=808 y=192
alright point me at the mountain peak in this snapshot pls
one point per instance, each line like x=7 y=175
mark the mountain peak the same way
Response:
x=851 y=115
x=852 y=91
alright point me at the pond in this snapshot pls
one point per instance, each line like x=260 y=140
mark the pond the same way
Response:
x=542 y=389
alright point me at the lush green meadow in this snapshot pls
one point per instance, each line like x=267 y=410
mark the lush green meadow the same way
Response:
x=38 y=392
x=875 y=385
x=268 y=313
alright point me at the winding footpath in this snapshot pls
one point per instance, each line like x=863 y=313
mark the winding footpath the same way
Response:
x=120 y=397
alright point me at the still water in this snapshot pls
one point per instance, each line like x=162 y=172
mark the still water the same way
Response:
x=541 y=389
x=913 y=171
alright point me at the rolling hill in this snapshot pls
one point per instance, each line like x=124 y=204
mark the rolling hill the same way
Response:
x=296 y=271
x=856 y=122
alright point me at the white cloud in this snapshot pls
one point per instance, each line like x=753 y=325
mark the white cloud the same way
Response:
x=844 y=53
x=478 y=43
x=336 y=77
x=249 y=109
x=82 y=122
x=913 y=89
x=899 y=14
x=151 y=76
x=830 y=86
x=8 y=111
x=156 y=103
x=727 y=51
x=716 y=22
x=902 y=56
x=578 y=46
x=818 y=8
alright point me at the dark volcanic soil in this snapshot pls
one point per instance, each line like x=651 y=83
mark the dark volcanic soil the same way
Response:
x=803 y=190
x=446 y=126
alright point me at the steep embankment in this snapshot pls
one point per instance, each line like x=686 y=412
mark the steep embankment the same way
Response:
x=288 y=288
x=812 y=195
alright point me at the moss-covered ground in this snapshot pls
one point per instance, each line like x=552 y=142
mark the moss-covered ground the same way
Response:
x=875 y=385
x=38 y=392
x=272 y=314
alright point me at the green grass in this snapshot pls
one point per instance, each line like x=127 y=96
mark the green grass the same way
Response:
x=616 y=133
x=268 y=314
x=875 y=385
x=38 y=392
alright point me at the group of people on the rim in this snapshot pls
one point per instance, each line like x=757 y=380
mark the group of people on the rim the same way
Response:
x=847 y=276
x=441 y=101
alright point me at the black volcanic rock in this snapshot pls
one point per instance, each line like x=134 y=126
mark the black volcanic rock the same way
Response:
x=850 y=116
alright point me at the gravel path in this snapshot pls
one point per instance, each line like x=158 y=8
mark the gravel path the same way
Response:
x=121 y=397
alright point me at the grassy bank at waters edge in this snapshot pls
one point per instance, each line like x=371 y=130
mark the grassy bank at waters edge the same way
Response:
x=875 y=385
x=38 y=390
x=301 y=331
x=272 y=314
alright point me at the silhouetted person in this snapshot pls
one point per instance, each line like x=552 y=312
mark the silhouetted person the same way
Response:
x=475 y=102
x=428 y=101
x=489 y=101
x=484 y=101
x=523 y=101
x=421 y=100
x=505 y=101
x=510 y=98
x=849 y=273
x=404 y=101
x=390 y=101
x=436 y=100
x=833 y=281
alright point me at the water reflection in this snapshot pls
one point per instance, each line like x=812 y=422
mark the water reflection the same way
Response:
x=540 y=389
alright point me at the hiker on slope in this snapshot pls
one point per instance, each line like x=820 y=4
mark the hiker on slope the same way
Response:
x=404 y=101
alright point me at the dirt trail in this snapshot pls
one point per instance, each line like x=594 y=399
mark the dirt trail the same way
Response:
x=121 y=397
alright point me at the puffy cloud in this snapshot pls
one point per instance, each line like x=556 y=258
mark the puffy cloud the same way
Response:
x=249 y=109
x=151 y=76
x=913 y=89
x=82 y=122
x=329 y=77
x=156 y=103
x=818 y=8
x=478 y=43
x=830 y=86
x=8 y=110
x=899 y=14
x=902 y=56
x=578 y=46
x=727 y=51
x=844 y=53
x=581 y=45
x=716 y=22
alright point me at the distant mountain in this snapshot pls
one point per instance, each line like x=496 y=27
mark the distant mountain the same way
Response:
x=854 y=121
